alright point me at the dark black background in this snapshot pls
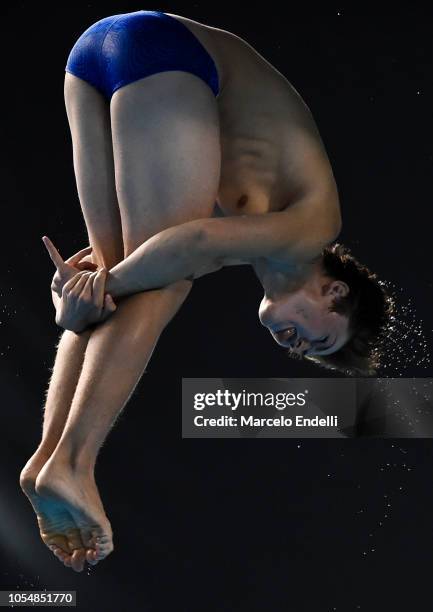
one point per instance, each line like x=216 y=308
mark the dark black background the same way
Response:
x=226 y=525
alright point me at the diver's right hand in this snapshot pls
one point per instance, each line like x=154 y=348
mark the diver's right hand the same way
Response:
x=65 y=270
x=84 y=302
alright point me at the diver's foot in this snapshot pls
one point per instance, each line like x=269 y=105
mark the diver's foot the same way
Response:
x=52 y=518
x=76 y=494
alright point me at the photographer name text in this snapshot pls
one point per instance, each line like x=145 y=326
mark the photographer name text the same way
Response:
x=251 y=421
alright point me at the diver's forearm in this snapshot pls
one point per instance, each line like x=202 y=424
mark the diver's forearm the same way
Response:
x=171 y=255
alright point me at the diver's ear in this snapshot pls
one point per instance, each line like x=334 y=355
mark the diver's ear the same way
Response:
x=338 y=288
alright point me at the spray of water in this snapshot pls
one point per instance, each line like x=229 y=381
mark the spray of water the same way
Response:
x=403 y=342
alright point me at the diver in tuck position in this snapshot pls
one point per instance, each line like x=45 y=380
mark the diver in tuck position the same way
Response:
x=191 y=152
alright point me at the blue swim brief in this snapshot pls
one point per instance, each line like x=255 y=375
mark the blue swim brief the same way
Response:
x=120 y=49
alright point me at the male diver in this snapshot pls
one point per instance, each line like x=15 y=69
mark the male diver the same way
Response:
x=191 y=152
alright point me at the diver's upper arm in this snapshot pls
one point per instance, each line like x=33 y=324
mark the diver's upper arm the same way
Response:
x=298 y=232
x=311 y=227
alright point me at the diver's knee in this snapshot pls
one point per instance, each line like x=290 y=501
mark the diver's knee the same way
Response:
x=107 y=256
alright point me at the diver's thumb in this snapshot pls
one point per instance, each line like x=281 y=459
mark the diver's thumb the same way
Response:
x=109 y=306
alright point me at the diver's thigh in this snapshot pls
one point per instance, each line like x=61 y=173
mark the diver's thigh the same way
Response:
x=166 y=145
x=89 y=121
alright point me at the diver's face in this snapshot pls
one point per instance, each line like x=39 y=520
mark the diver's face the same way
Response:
x=301 y=320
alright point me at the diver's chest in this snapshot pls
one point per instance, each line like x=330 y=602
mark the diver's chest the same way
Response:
x=249 y=185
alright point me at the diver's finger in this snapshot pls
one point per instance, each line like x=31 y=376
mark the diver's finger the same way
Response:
x=86 y=291
x=73 y=282
x=86 y=265
x=56 y=258
x=99 y=286
x=73 y=259
x=109 y=307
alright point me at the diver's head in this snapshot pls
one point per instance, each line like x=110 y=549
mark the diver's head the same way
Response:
x=333 y=317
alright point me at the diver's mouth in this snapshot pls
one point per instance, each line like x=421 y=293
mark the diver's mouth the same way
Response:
x=286 y=334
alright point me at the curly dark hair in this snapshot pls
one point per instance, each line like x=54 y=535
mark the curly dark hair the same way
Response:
x=369 y=308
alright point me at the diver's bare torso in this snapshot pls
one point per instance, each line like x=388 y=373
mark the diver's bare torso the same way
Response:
x=261 y=119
